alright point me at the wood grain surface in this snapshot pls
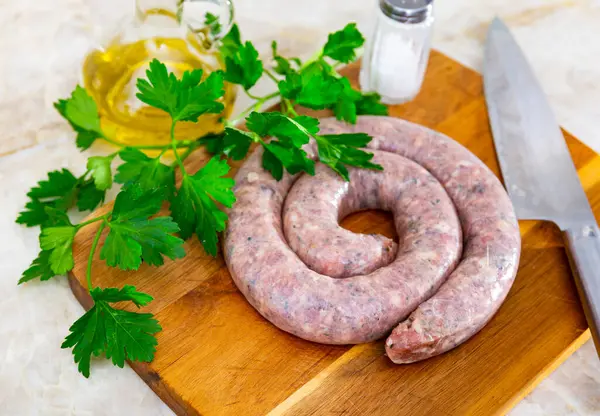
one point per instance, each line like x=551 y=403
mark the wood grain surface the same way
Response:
x=218 y=356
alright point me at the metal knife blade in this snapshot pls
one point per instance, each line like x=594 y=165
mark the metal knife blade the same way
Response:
x=536 y=164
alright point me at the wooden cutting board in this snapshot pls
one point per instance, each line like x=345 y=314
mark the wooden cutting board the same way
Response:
x=218 y=356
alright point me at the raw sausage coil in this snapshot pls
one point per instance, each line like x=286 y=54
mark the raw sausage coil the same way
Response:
x=453 y=267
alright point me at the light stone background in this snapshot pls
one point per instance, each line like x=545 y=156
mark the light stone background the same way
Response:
x=42 y=44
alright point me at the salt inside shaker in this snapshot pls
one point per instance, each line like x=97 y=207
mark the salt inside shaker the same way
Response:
x=397 y=52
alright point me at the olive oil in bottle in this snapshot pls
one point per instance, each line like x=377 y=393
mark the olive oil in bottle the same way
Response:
x=110 y=74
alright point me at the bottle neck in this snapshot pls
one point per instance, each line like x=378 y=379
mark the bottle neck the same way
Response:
x=186 y=13
x=158 y=10
x=143 y=6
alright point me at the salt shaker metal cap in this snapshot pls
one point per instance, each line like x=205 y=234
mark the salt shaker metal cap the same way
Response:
x=407 y=11
x=397 y=51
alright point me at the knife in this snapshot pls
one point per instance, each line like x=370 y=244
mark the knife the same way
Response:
x=536 y=164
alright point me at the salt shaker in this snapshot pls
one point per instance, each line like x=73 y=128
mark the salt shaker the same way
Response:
x=396 y=54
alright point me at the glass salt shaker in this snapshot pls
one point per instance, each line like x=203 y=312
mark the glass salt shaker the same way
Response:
x=397 y=52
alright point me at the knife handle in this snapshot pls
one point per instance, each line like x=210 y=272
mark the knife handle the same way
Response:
x=583 y=242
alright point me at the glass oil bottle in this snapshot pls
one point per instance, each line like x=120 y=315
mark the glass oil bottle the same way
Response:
x=176 y=33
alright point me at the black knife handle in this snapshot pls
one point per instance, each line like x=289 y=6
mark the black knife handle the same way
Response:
x=583 y=248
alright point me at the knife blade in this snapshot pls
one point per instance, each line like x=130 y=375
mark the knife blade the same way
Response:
x=536 y=165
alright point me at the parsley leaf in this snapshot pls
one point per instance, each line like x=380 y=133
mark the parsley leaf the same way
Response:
x=319 y=87
x=295 y=130
x=244 y=67
x=59 y=183
x=345 y=108
x=56 y=217
x=291 y=85
x=81 y=112
x=291 y=134
x=99 y=167
x=213 y=143
x=342 y=44
x=283 y=66
x=195 y=208
x=128 y=242
x=371 y=104
x=197 y=98
x=185 y=99
x=58 y=191
x=119 y=334
x=40 y=267
x=231 y=42
x=236 y=143
x=160 y=90
x=85 y=139
x=310 y=125
x=144 y=171
x=127 y=293
x=133 y=202
x=89 y=196
x=34 y=214
x=319 y=90
x=352 y=103
x=133 y=236
x=338 y=150
x=59 y=242
x=61 y=191
x=278 y=156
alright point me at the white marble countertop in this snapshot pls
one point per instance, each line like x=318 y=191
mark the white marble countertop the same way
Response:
x=41 y=47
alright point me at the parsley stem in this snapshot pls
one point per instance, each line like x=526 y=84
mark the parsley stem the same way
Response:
x=88 y=272
x=270 y=75
x=289 y=107
x=189 y=151
x=269 y=96
x=249 y=94
x=180 y=143
x=174 y=147
x=254 y=107
x=93 y=220
x=82 y=178
x=163 y=151
x=263 y=98
x=315 y=57
x=111 y=141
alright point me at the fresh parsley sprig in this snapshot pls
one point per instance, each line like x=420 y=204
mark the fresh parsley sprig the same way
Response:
x=314 y=84
x=133 y=236
x=116 y=333
x=134 y=230
x=194 y=205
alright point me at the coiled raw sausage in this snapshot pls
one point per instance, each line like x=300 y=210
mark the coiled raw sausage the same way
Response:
x=304 y=273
